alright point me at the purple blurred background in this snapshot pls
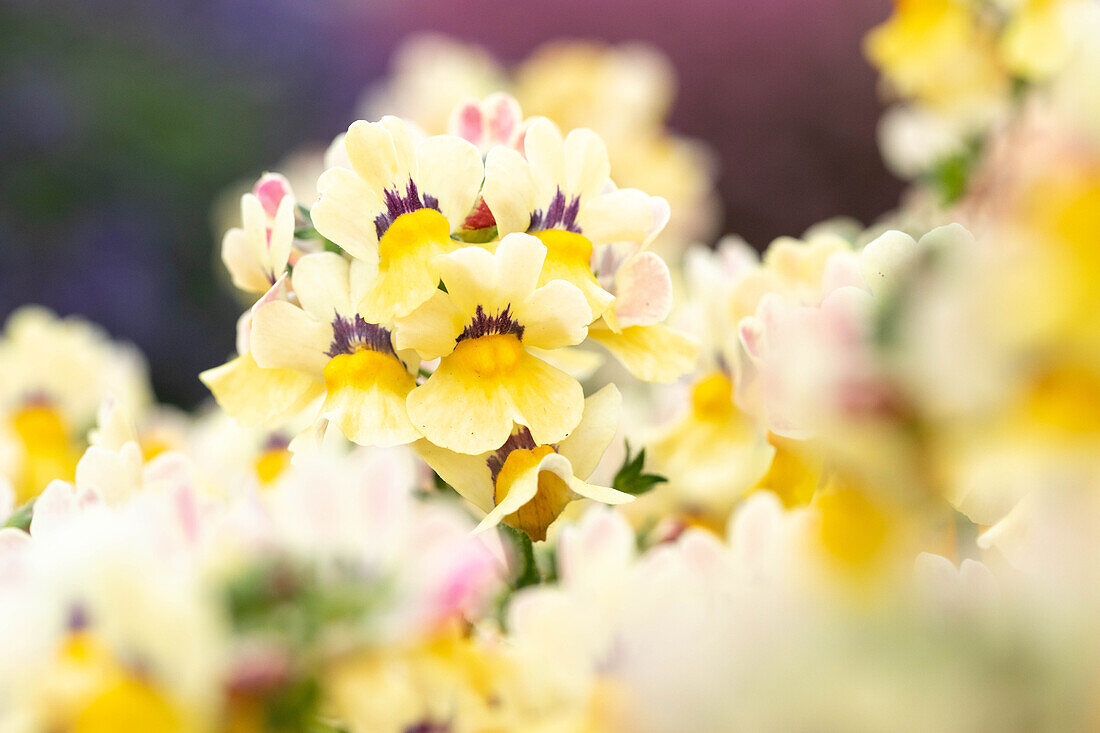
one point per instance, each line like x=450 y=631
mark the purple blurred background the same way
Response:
x=121 y=121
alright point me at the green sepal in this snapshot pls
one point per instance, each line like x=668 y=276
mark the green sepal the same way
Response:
x=631 y=479
x=21 y=517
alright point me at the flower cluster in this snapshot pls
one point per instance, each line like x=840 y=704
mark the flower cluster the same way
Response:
x=851 y=481
x=437 y=297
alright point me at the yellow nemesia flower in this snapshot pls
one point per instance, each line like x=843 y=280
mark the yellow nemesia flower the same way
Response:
x=1036 y=40
x=714 y=454
x=90 y=692
x=397 y=207
x=939 y=52
x=482 y=328
x=346 y=348
x=559 y=193
x=48 y=449
x=526 y=485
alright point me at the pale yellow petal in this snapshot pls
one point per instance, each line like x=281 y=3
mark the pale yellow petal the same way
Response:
x=404 y=148
x=260 y=397
x=282 y=237
x=509 y=190
x=286 y=337
x=240 y=260
x=554 y=316
x=547 y=400
x=595 y=492
x=461 y=412
x=651 y=353
x=585 y=446
x=577 y=362
x=625 y=215
x=545 y=151
x=471 y=276
x=432 y=328
x=587 y=167
x=345 y=213
x=451 y=170
x=370 y=148
x=469 y=475
x=520 y=260
x=321 y=284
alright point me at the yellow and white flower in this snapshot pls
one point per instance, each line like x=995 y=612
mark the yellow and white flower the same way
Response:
x=483 y=329
x=344 y=346
x=942 y=53
x=56 y=374
x=633 y=328
x=563 y=195
x=252 y=395
x=396 y=207
x=527 y=485
x=257 y=254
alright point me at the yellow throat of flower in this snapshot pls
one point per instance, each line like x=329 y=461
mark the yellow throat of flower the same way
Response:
x=712 y=397
x=271 y=463
x=552 y=497
x=410 y=232
x=567 y=248
x=49 y=451
x=496 y=355
x=364 y=369
x=97 y=695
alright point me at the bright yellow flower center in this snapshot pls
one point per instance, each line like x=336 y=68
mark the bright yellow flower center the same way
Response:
x=48 y=450
x=100 y=696
x=363 y=369
x=153 y=447
x=488 y=356
x=1067 y=399
x=411 y=231
x=566 y=247
x=271 y=464
x=1064 y=216
x=793 y=475
x=552 y=497
x=853 y=528
x=712 y=397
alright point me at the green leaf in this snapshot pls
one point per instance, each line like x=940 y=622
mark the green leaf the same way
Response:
x=294 y=707
x=631 y=479
x=951 y=175
x=21 y=517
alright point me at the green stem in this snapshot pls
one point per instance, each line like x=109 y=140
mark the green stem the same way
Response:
x=526 y=570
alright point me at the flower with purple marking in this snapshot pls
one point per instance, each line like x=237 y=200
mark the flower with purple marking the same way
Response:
x=395 y=204
x=527 y=485
x=483 y=324
x=487 y=330
x=354 y=333
x=558 y=215
x=560 y=191
x=338 y=343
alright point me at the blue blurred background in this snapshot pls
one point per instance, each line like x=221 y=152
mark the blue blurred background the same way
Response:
x=122 y=121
